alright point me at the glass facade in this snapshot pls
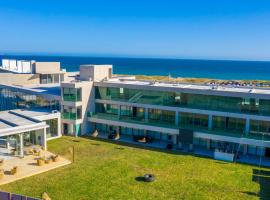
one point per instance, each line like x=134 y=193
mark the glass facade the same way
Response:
x=52 y=131
x=198 y=101
x=15 y=99
x=260 y=129
x=72 y=94
x=72 y=113
x=229 y=124
x=51 y=78
x=161 y=116
x=190 y=120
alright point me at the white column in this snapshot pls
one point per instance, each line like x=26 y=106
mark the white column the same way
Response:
x=146 y=114
x=210 y=121
x=59 y=126
x=176 y=118
x=21 y=145
x=44 y=138
x=247 y=126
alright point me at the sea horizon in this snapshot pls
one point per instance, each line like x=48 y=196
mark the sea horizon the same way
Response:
x=175 y=67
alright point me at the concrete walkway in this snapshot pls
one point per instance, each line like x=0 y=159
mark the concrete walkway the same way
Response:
x=27 y=167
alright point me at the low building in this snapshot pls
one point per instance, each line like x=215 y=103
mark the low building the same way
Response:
x=21 y=129
x=215 y=118
x=22 y=72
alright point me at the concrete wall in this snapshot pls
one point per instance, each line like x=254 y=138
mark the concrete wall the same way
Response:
x=46 y=67
x=18 y=79
x=88 y=105
x=95 y=72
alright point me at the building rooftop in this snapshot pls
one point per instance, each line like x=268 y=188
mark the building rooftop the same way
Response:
x=16 y=121
x=200 y=87
x=52 y=91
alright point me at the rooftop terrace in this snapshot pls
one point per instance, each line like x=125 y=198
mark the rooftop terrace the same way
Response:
x=201 y=87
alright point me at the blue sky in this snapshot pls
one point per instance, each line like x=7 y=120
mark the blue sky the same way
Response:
x=209 y=29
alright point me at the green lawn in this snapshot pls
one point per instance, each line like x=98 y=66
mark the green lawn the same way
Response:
x=108 y=171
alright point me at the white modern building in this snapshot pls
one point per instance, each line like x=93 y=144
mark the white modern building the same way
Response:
x=30 y=72
x=222 y=119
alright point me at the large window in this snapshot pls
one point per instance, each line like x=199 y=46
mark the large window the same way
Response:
x=230 y=124
x=50 y=78
x=14 y=99
x=161 y=116
x=198 y=101
x=52 y=131
x=260 y=128
x=190 y=120
x=72 y=94
x=107 y=109
x=71 y=113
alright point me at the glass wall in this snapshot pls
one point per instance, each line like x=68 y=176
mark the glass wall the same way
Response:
x=229 y=124
x=190 y=120
x=126 y=112
x=14 y=99
x=71 y=113
x=261 y=129
x=161 y=116
x=52 y=131
x=208 y=102
x=50 y=78
x=107 y=108
x=72 y=94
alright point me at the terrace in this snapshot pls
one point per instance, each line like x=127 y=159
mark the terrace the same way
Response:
x=27 y=166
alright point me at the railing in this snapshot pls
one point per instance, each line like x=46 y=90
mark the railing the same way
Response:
x=69 y=115
x=71 y=97
x=241 y=109
x=9 y=196
x=228 y=133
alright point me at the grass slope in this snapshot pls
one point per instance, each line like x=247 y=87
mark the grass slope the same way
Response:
x=108 y=171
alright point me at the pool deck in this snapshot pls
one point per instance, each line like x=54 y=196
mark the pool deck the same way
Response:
x=27 y=167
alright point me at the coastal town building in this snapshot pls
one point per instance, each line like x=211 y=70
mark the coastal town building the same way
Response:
x=30 y=72
x=226 y=120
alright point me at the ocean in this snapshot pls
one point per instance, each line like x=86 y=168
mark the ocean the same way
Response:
x=214 y=69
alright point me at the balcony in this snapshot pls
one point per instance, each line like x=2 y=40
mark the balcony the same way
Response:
x=69 y=115
x=228 y=133
x=72 y=98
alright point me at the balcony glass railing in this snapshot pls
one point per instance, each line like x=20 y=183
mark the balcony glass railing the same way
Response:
x=69 y=115
x=230 y=133
x=72 y=98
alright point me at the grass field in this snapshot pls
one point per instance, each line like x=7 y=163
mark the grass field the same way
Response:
x=104 y=170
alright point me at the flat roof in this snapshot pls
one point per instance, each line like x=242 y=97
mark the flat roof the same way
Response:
x=200 y=87
x=19 y=121
x=13 y=119
x=32 y=113
x=52 y=91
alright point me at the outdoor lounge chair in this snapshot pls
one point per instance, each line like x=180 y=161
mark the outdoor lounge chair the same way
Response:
x=95 y=133
x=48 y=160
x=117 y=136
x=14 y=170
x=55 y=158
x=40 y=161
